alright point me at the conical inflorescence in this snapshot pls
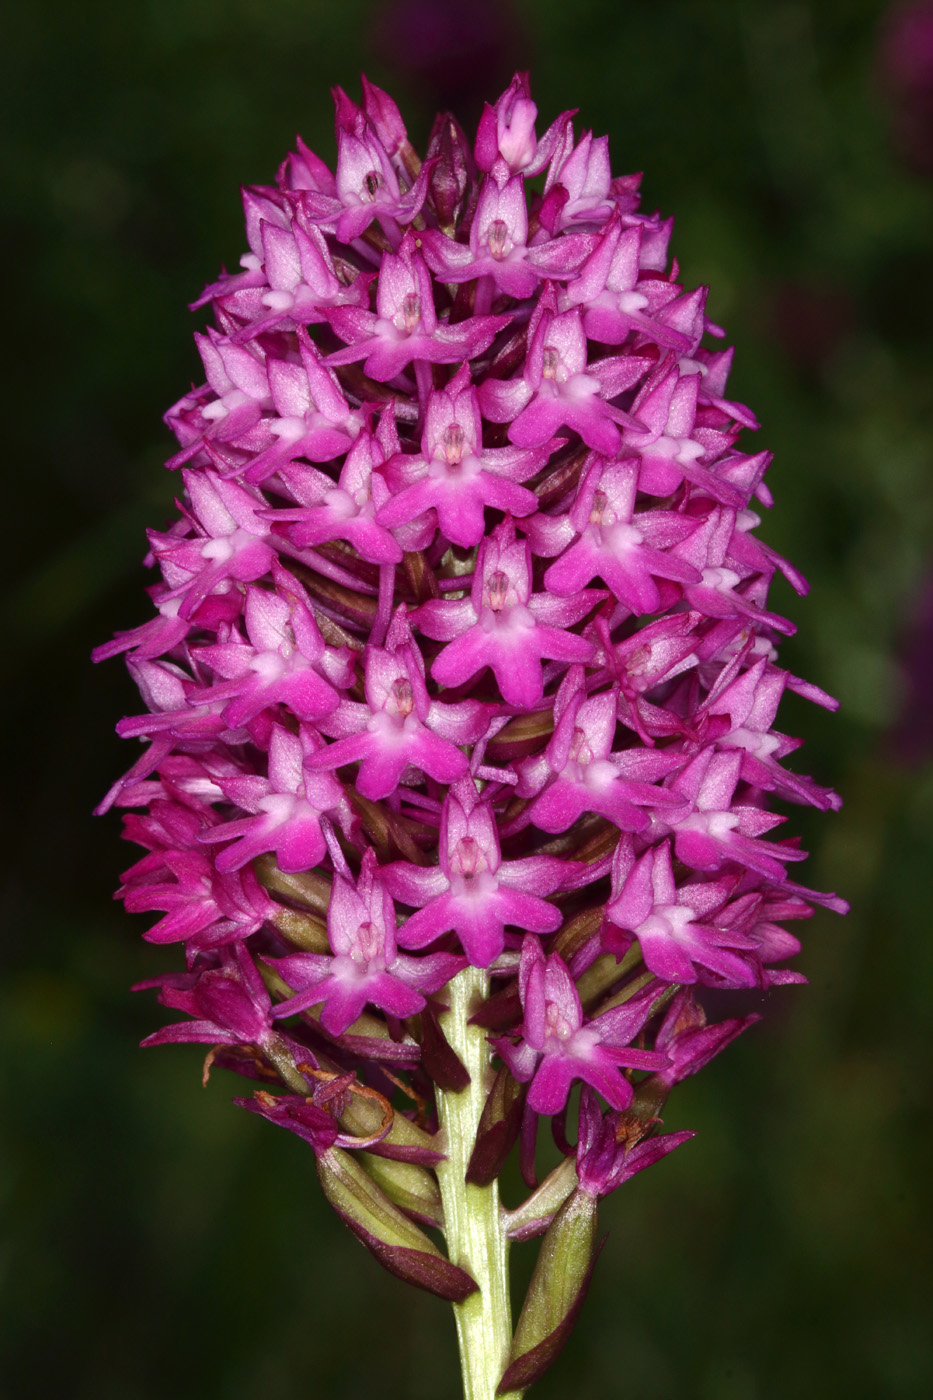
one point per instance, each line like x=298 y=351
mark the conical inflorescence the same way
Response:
x=462 y=658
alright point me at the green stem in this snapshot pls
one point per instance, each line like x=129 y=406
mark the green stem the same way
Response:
x=476 y=1238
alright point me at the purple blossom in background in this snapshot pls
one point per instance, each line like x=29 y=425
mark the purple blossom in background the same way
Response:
x=457 y=54
x=460 y=696
x=905 y=63
x=911 y=736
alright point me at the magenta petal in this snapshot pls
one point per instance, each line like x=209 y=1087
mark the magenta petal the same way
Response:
x=348 y=750
x=462 y=658
x=560 y=805
x=414 y=884
x=184 y=1032
x=479 y=926
x=428 y=923
x=437 y=756
x=302 y=846
x=381 y=770
x=429 y=973
x=603 y=1075
x=391 y=994
x=344 y=1005
x=551 y=1084
x=527 y=911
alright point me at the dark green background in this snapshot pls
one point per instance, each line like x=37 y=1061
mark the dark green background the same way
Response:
x=157 y=1242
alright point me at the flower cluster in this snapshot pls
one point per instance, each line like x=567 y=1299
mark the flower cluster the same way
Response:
x=462 y=659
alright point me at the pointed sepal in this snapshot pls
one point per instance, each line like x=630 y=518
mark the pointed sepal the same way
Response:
x=498 y=1129
x=438 y=1057
x=535 y=1214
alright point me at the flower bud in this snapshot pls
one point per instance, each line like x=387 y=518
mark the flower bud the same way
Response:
x=390 y=1236
x=556 y=1292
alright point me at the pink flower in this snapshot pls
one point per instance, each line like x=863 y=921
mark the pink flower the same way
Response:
x=455 y=474
x=282 y=660
x=503 y=625
x=559 y=1045
x=506 y=133
x=605 y=1156
x=578 y=771
x=367 y=184
x=226 y=997
x=285 y=808
x=669 y=923
x=559 y=387
x=474 y=892
x=400 y=725
x=405 y=325
x=610 y=540
x=366 y=968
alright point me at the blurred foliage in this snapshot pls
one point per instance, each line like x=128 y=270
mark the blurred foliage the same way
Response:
x=156 y=1240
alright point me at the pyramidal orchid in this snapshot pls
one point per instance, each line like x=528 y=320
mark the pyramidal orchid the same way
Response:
x=459 y=698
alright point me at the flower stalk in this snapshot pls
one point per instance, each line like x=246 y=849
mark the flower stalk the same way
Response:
x=473 y=1220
